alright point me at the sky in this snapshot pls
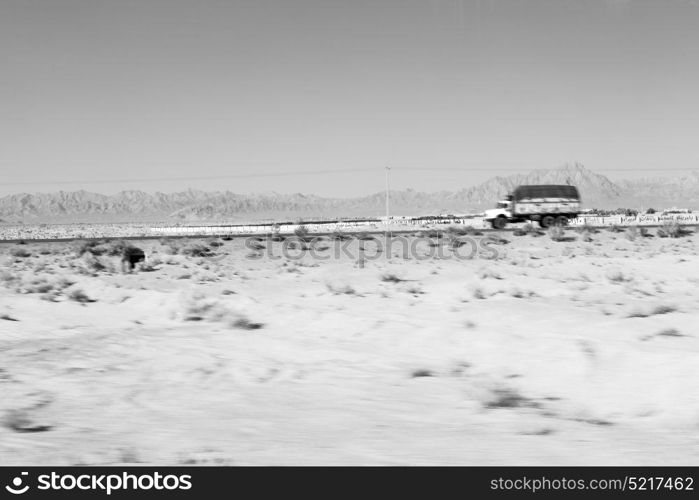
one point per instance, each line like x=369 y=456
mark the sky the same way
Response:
x=319 y=96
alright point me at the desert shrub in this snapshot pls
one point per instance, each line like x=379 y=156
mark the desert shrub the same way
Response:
x=558 y=233
x=615 y=228
x=146 y=267
x=632 y=233
x=257 y=245
x=244 y=323
x=93 y=246
x=341 y=289
x=64 y=282
x=618 y=276
x=463 y=231
x=509 y=398
x=79 y=296
x=20 y=252
x=36 y=284
x=196 y=250
x=97 y=248
x=669 y=332
x=364 y=236
x=671 y=229
x=296 y=244
x=586 y=228
x=520 y=294
x=390 y=278
x=414 y=289
x=663 y=309
x=215 y=243
x=199 y=307
x=302 y=231
x=528 y=229
x=89 y=264
x=338 y=235
x=6 y=277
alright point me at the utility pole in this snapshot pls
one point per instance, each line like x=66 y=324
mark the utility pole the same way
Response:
x=388 y=169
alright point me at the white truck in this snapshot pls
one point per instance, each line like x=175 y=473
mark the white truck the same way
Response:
x=546 y=204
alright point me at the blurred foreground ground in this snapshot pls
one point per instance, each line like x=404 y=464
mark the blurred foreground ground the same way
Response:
x=554 y=352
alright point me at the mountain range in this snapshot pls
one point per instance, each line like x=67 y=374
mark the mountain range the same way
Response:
x=597 y=191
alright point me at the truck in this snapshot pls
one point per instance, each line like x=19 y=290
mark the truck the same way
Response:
x=548 y=205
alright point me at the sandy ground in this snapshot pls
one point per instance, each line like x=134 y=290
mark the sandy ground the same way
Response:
x=551 y=353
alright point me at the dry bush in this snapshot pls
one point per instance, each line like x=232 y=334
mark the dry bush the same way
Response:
x=341 y=289
x=93 y=247
x=147 y=267
x=463 y=231
x=672 y=229
x=586 y=228
x=199 y=307
x=496 y=240
x=296 y=244
x=414 y=289
x=618 y=276
x=363 y=236
x=257 y=245
x=509 y=398
x=557 y=233
x=91 y=265
x=20 y=253
x=196 y=250
x=391 y=278
x=633 y=232
x=663 y=309
x=489 y=273
x=528 y=229
x=669 y=332
x=302 y=231
x=80 y=296
x=35 y=284
x=615 y=228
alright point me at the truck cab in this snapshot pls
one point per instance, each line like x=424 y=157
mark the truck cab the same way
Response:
x=501 y=214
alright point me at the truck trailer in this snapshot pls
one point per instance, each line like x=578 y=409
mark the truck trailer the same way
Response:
x=546 y=204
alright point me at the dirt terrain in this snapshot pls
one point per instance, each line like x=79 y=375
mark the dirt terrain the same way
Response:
x=570 y=347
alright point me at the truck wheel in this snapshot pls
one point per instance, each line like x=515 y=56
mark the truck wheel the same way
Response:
x=499 y=222
x=561 y=220
x=546 y=221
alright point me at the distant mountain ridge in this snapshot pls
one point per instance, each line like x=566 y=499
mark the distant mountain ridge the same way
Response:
x=191 y=205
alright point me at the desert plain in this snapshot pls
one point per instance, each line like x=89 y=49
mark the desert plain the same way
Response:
x=529 y=348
